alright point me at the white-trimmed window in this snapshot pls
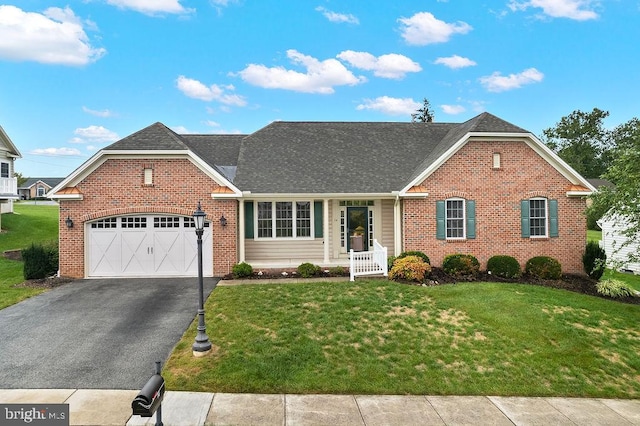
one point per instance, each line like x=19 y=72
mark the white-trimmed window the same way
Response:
x=455 y=218
x=4 y=170
x=284 y=219
x=538 y=217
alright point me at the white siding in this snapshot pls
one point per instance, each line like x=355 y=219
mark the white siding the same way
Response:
x=284 y=251
x=612 y=239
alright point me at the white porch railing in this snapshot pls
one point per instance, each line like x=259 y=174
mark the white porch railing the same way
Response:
x=368 y=262
x=9 y=186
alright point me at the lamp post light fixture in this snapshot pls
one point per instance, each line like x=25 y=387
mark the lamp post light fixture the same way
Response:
x=202 y=345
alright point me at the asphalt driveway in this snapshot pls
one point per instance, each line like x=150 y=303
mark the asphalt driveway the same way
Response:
x=95 y=334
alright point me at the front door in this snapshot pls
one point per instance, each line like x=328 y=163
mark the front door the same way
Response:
x=357 y=221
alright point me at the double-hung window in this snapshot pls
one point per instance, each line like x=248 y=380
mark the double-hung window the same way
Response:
x=455 y=219
x=4 y=170
x=284 y=219
x=539 y=217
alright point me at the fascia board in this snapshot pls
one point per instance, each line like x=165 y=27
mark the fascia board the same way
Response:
x=52 y=195
x=558 y=163
x=97 y=160
x=436 y=164
x=312 y=195
x=215 y=175
x=9 y=143
x=529 y=138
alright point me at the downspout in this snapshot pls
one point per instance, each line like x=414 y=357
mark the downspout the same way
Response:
x=397 y=225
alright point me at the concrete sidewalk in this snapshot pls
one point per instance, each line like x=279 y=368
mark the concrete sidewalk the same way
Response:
x=113 y=407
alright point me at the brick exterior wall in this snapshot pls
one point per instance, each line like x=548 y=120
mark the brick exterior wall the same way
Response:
x=117 y=188
x=523 y=174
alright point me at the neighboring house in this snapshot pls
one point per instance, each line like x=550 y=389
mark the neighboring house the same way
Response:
x=8 y=183
x=297 y=192
x=37 y=187
x=617 y=245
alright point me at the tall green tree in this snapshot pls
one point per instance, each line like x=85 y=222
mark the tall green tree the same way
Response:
x=424 y=114
x=582 y=141
x=623 y=200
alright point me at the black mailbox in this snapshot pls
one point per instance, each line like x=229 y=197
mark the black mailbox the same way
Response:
x=149 y=398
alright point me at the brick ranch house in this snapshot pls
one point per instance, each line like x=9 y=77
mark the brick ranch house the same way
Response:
x=296 y=192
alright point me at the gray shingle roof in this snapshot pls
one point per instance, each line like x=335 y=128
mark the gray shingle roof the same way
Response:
x=52 y=182
x=321 y=157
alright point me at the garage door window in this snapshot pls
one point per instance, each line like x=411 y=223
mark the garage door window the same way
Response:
x=105 y=223
x=166 y=222
x=134 y=222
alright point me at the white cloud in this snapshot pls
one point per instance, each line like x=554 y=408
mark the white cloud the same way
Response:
x=455 y=62
x=56 y=152
x=453 y=109
x=387 y=66
x=579 y=10
x=338 y=17
x=499 y=83
x=319 y=76
x=152 y=7
x=94 y=134
x=390 y=106
x=197 y=90
x=105 y=113
x=423 y=28
x=56 y=36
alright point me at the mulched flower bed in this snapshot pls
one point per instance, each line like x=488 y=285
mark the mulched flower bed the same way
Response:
x=51 y=282
x=576 y=283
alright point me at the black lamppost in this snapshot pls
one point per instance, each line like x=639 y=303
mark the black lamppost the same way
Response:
x=202 y=344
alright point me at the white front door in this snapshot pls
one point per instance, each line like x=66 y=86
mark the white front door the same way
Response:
x=144 y=246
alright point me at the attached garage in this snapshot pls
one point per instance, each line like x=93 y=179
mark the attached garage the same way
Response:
x=146 y=246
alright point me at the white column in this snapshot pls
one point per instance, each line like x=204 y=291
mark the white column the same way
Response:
x=241 y=231
x=397 y=228
x=325 y=230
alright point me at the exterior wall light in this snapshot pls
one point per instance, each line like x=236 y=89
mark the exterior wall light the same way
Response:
x=69 y=222
x=223 y=221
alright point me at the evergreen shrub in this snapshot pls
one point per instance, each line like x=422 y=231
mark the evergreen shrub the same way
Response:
x=594 y=260
x=461 y=265
x=410 y=268
x=241 y=270
x=504 y=266
x=544 y=267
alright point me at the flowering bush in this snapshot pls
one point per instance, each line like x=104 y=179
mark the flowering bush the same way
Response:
x=410 y=268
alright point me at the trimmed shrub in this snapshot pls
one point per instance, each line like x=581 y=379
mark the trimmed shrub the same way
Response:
x=40 y=261
x=614 y=288
x=410 y=268
x=594 y=260
x=241 y=270
x=544 y=267
x=308 y=270
x=420 y=254
x=460 y=265
x=338 y=271
x=504 y=266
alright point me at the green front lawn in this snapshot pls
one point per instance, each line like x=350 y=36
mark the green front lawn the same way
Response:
x=380 y=337
x=29 y=224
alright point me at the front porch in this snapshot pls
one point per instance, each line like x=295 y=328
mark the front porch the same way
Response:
x=322 y=231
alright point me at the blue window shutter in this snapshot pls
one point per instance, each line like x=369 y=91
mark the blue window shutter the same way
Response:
x=440 y=213
x=248 y=219
x=524 y=218
x=471 y=219
x=317 y=219
x=553 y=218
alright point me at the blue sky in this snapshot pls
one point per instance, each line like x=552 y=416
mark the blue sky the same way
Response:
x=76 y=76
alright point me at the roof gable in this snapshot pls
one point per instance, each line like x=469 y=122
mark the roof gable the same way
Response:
x=7 y=145
x=155 y=137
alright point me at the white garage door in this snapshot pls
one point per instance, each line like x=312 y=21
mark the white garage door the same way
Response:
x=147 y=245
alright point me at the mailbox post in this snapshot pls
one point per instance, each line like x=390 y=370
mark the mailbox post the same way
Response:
x=149 y=400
